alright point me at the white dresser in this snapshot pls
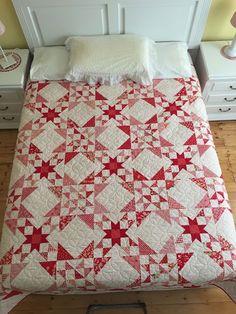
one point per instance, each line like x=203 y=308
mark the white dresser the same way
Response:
x=217 y=77
x=12 y=84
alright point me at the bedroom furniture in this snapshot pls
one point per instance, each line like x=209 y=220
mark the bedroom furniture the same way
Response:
x=50 y=22
x=5 y=62
x=12 y=84
x=130 y=174
x=229 y=51
x=218 y=81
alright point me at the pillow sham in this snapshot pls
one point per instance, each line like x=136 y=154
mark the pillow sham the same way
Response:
x=167 y=60
x=171 y=60
x=109 y=59
x=49 y=63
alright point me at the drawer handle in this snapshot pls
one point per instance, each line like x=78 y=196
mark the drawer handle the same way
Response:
x=224 y=110
x=231 y=87
x=229 y=100
x=0 y=96
x=4 y=109
x=8 y=119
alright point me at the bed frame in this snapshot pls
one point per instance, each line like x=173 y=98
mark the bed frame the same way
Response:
x=50 y=22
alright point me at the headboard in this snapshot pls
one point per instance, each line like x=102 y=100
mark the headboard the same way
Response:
x=50 y=22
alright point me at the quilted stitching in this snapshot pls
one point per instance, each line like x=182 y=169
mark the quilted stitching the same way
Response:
x=116 y=188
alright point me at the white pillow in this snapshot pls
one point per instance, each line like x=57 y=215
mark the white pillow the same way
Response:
x=167 y=60
x=171 y=60
x=109 y=59
x=49 y=63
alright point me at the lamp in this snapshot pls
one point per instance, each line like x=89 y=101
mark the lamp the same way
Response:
x=8 y=61
x=229 y=51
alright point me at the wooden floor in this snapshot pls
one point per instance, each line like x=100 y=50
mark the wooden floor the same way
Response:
x=197 y=301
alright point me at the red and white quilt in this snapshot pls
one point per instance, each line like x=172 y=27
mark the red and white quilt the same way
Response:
x=116 y=188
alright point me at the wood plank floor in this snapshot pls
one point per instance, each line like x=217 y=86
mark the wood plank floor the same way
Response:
x=204 y=301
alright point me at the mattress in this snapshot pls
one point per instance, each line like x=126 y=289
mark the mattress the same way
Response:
x=116 y=188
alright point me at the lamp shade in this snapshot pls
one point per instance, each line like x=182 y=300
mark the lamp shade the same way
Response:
x=233 y=20
x=2 y=28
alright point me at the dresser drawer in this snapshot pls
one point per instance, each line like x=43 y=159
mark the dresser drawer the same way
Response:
x=10 y=108
x=221 y=112
x=9 y=121
x=224 y=86
x=221 y=99
x=11 y=96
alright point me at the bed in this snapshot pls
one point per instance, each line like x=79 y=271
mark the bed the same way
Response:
x=119 y=187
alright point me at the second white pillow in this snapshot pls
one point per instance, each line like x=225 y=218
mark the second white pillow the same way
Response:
x=171 y=60
x=49 y=63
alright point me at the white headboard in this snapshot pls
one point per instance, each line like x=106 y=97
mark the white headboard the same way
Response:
x=50 y=22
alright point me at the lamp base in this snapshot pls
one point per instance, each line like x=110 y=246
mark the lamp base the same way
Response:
x=223 y=51
x=6 y=64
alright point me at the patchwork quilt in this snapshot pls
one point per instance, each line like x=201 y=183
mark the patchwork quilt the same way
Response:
x=116 y=188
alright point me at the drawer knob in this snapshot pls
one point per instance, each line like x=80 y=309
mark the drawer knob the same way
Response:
x=231 y=87
x=229 y=100
x=4 y=109
x=224 y=110
x=8 y=119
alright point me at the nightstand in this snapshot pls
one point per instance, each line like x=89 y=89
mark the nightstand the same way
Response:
x=217 y=77
x=12 y=84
